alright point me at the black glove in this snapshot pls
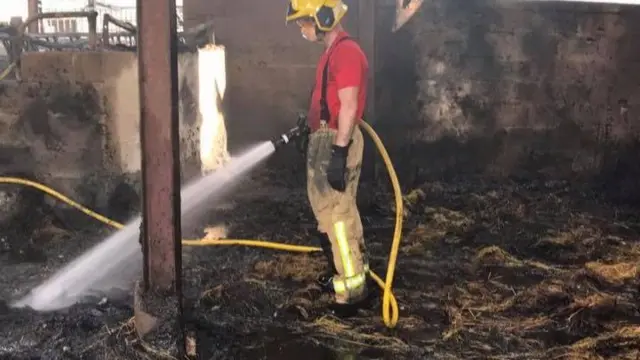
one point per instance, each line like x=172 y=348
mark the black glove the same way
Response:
x=336 y=171
x=302 y=141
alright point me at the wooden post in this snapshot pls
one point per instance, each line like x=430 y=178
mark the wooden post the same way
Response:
x=367 y=38
x=34 y=9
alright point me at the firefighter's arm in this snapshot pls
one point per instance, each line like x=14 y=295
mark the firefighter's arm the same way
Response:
x=348 y=70
x=347 y=114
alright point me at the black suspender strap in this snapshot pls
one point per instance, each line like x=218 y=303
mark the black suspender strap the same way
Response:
x=324 y=106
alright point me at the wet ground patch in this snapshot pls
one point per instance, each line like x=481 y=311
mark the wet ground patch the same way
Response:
x=487 y=270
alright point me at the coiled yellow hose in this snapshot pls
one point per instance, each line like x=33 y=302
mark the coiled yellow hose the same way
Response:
x=390 y=311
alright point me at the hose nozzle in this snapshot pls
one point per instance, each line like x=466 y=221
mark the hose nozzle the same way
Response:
x=300 y=130
x=286 y=137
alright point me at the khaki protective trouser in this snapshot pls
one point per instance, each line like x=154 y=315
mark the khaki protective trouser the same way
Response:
x=337 y=213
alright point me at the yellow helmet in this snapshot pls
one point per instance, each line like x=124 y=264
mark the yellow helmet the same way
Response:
x=326 y=13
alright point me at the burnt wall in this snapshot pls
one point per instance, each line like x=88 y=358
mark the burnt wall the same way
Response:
x=269 y=70
x=467 y=86
x=73 y=124
x=511 y=89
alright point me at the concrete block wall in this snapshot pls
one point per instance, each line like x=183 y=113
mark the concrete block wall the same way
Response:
x=73 y=122
x=517 y=63
x=57 y=122
x=502 y=87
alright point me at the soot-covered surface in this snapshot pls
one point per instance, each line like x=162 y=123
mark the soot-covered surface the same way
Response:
x=503 y=270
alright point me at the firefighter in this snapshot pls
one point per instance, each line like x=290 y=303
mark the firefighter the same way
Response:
x=335 y=149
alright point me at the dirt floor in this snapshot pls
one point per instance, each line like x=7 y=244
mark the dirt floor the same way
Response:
x=487 y=270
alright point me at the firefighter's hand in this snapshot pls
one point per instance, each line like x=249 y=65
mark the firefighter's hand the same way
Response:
x=336 y=171
x=302 y=142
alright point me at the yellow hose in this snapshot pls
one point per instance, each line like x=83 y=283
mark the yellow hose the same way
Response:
x=390 y=312
x=7 y=71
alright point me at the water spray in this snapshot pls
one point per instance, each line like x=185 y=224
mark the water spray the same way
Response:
x=92 y=273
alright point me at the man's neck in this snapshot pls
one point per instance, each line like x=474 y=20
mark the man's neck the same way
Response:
x=331 y=36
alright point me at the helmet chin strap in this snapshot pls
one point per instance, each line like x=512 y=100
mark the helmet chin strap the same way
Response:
x=319 y=34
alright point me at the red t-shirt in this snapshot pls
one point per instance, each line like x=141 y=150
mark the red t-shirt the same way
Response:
x=348 y=67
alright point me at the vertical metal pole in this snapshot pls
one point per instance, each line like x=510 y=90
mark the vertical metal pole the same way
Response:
x=33 y=9
x=93 y=30
x=158 y=299
x=158 y=76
